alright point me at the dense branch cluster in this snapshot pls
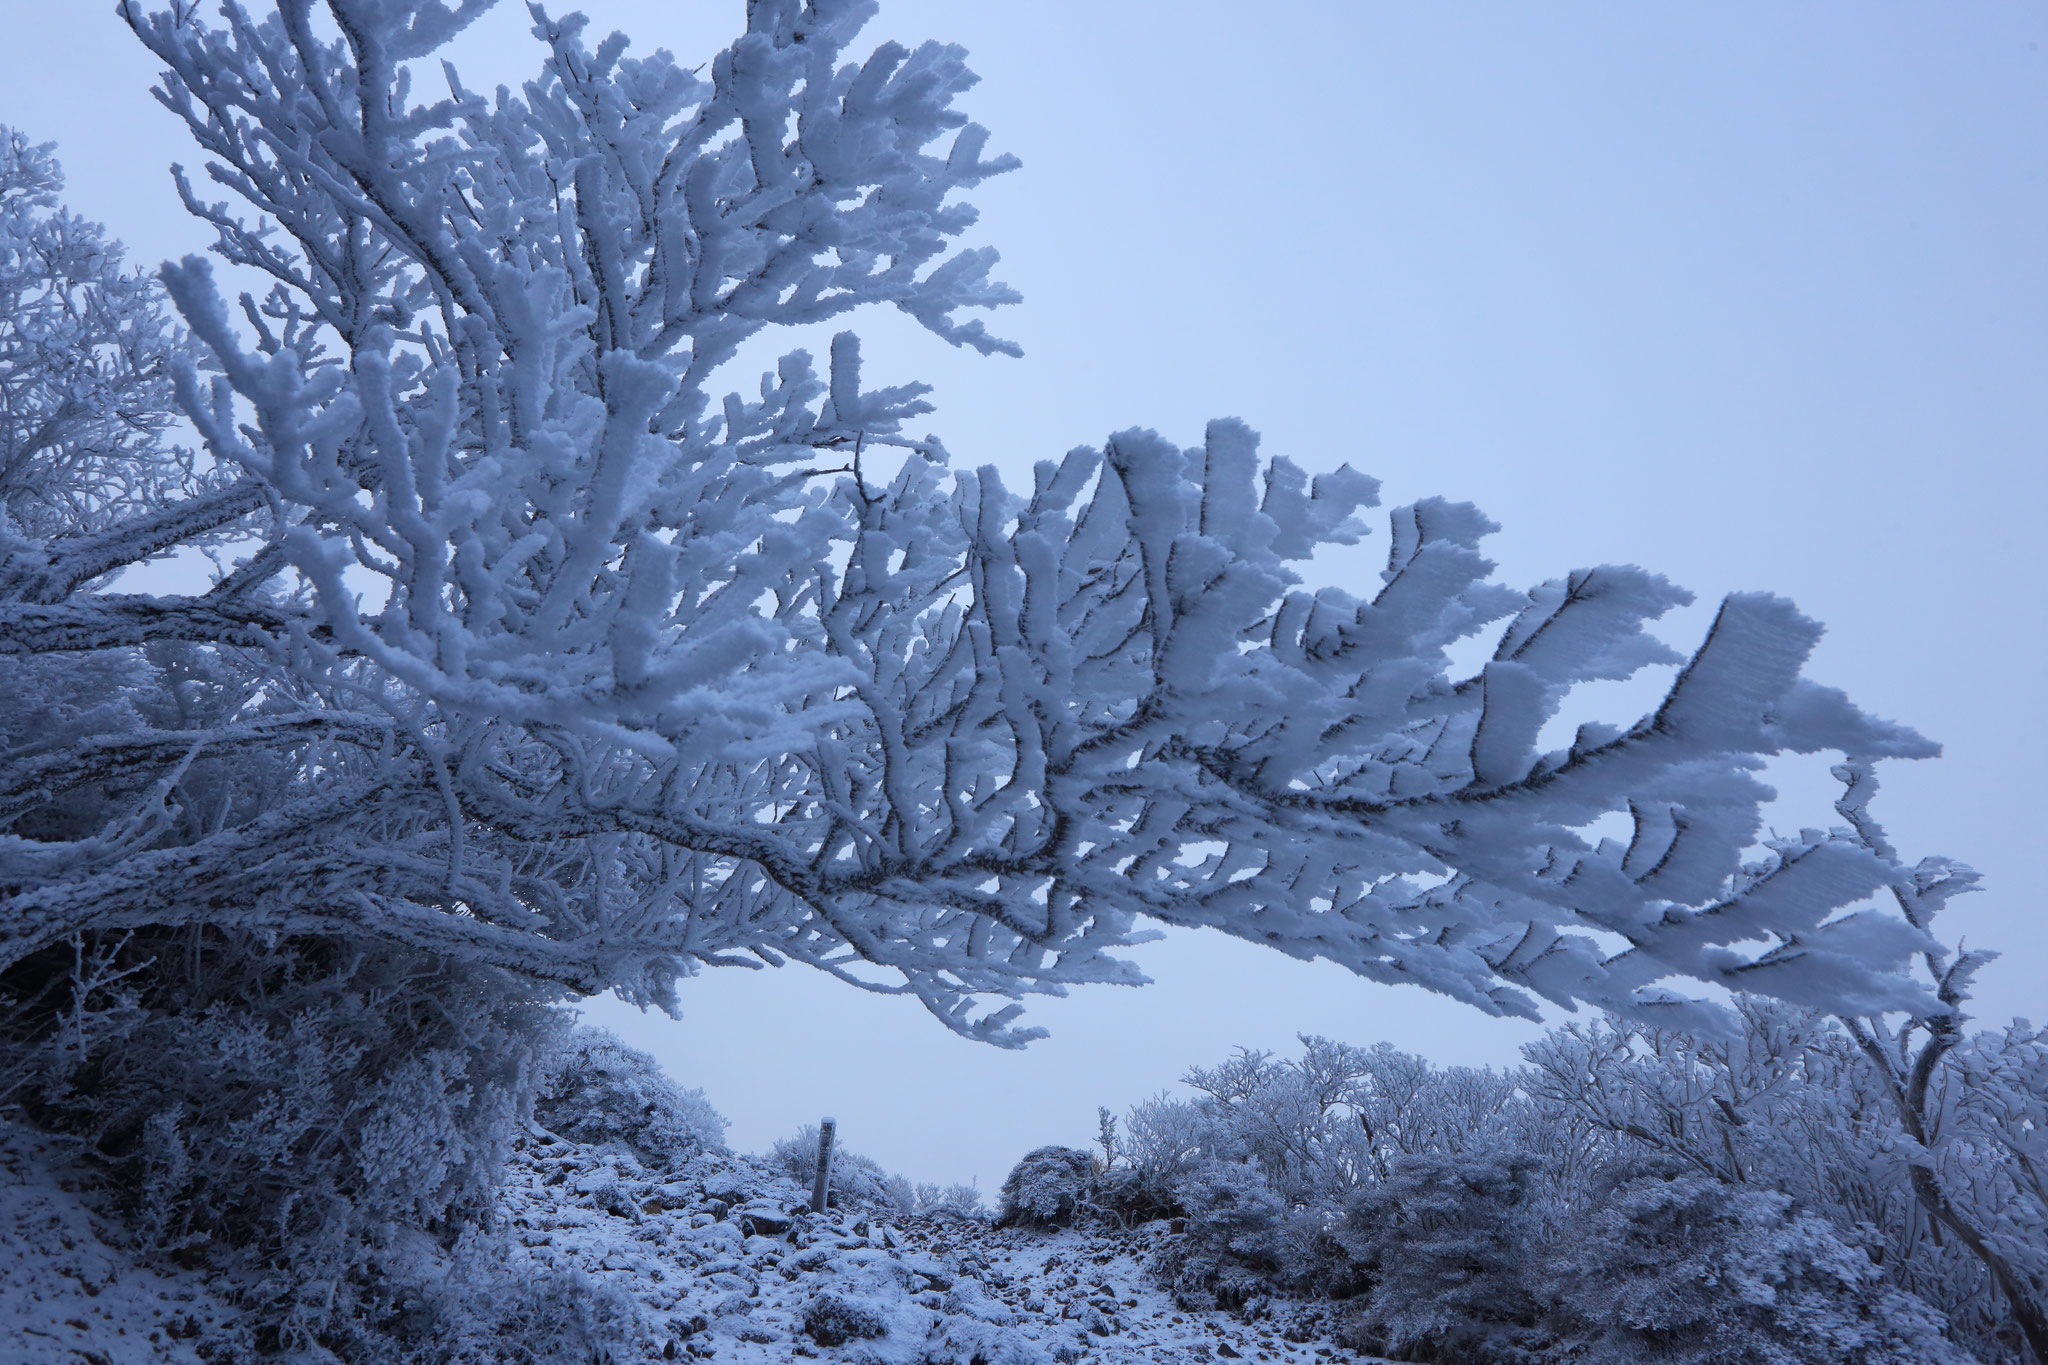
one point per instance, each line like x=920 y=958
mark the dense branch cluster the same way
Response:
x=550 y=659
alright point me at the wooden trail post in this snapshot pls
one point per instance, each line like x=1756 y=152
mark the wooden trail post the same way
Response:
x=822 y=1184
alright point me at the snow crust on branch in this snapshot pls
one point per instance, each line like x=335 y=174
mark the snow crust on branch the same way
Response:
x=585 y=673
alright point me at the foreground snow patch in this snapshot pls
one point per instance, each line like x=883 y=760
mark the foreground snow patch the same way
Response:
x=69 y=1295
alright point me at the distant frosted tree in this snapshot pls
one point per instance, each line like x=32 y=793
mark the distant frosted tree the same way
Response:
x=85 y=373
x=960 y=1201
x=586 y=668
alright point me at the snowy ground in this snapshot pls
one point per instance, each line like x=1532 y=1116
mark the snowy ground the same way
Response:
x=726 y=1271
x=718 y=1256
x=68 y=1295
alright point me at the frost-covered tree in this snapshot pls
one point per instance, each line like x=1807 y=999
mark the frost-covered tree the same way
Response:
x=1325 y=1123
x=85 y=370
x=1972 y=1110
x=584 y=668
x=1633 y=1194
x=1941 y=1176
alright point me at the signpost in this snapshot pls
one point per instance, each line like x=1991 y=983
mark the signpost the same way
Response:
x=822 y=1184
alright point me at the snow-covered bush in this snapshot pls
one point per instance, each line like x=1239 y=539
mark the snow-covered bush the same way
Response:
x=1160 y=1141
x=833 y=1319
x=1047 y=1188
x=1231 y=1204
x=1130 y=1196
x=1676 y=1266
x=1234 y=1225
x=491 y=1308
x=1450 y=1246
x=593 y=1088
x=959 y=1201
x=318 y=1120
x=1468 y=1204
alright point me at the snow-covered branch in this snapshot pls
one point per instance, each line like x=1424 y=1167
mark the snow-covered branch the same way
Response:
x=635 y=678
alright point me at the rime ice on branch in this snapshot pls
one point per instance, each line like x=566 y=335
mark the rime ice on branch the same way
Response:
x=583 y=671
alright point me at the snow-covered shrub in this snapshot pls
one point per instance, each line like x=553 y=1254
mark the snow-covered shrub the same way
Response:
x=1834 y=1115
x=1162 y=1140
x=1230 y=1256
x=1231 y=1206
x=594 y=1088
x=858 y=1181
x=962 y=1201
x=1449 y=1247
x=1047 y=1188
x=491 y=1307
x=1676 y=1266
x=314 y=1118
x=1130 y=1195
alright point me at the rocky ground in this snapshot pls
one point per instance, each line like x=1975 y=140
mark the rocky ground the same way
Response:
x=716 y=1259
x=727 y=1266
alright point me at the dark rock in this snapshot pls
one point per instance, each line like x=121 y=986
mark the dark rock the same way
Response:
x=765 y=1223
x=833 y=1320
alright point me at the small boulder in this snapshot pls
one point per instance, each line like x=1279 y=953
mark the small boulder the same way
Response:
x=759 y=1221
x=834 y=1319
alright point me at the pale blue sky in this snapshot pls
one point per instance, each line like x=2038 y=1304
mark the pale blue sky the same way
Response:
x=1752 y=294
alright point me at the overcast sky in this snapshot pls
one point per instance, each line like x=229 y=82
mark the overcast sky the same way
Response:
x=1752 y=294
